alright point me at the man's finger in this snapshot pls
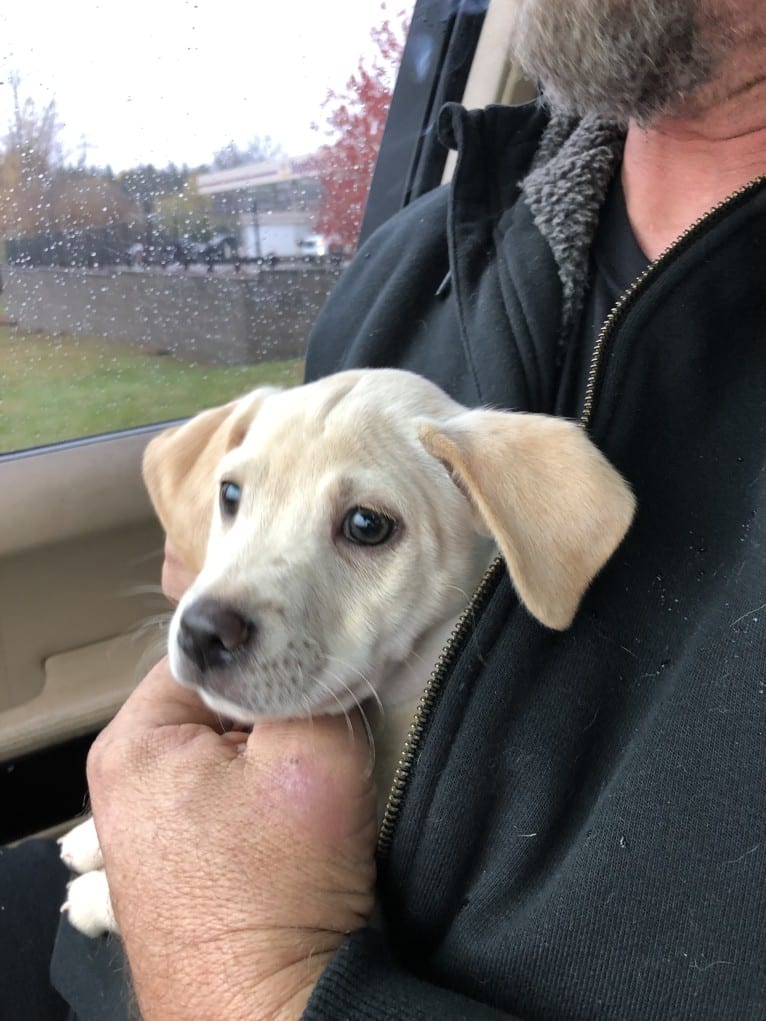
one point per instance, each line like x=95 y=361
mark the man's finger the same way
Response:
x=176 y=576
x=159 y=700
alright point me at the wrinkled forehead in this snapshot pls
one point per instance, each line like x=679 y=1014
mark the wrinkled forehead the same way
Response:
x=298 y=437
x=353 y=421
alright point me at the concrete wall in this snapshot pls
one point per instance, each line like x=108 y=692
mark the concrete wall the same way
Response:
x=221 y=317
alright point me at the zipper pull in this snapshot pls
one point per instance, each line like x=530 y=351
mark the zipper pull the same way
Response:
x=443 y=289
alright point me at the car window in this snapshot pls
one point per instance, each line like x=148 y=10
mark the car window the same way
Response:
x=180 y=186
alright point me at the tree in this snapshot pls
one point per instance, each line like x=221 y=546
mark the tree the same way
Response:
x=185 y=215
x=29 y=160
x=355 y=120
x=147 y=184
x=43 y=193
x=80 y=198
x=257 y=151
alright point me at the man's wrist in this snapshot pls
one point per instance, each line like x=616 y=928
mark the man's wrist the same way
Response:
x=306 y=976
x=237 y=987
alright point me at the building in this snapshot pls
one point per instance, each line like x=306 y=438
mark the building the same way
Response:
x=274 y=203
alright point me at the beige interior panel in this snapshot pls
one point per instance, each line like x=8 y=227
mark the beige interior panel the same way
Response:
x=81 y=692
x=73 y=489
x=70 y=595
x=80 y=561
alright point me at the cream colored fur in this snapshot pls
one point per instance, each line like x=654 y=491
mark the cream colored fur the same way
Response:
x=339 y=624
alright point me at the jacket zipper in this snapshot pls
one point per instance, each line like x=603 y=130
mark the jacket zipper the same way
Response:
x=486 y=586
x=691 y=232
x=427 y=701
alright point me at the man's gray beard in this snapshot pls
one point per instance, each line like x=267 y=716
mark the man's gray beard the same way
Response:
x=621 y=60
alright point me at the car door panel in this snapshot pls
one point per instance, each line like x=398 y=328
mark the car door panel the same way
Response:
x=80 y=559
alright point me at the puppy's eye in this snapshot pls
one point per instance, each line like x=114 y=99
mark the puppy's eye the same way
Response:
x=367 y=527
x=229 y=497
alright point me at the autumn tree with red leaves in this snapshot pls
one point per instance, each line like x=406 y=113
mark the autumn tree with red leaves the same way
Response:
x=355 y=121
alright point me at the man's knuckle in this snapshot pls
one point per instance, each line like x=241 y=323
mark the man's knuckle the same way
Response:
x=109 y=755
x=98 y=757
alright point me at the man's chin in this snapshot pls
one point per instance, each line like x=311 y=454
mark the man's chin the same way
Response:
x=632 y=60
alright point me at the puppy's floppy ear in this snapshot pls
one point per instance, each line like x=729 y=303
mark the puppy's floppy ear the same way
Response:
x=555 y=506
x=179 y=471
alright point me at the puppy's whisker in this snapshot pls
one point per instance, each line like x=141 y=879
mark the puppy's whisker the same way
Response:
x=152 y=634
x=373 y=692
x=362 y=676
x=342 y=708
x=417 y=657
x=157 y=620
x=370 y=736
x=363 y=714
x=304 y=697
x=367 y=727
x=307 y=702
x=151 y=554
x=140 y=590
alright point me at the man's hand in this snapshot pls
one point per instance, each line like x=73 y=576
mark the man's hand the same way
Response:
x=176 y=576
x=236 y=862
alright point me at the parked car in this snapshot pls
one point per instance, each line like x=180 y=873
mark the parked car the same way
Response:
x=314 y=248
x=220 y=248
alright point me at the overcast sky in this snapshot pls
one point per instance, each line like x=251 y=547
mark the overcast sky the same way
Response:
x=155 y=81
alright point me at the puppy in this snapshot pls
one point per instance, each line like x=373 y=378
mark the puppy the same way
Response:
x=339 y=528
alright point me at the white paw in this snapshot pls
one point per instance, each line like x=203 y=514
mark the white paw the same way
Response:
x=88 y=904
x=80 y=849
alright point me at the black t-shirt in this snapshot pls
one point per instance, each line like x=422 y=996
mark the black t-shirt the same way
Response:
x=615 y=262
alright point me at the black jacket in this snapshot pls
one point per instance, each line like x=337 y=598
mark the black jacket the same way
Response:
x=581 y=834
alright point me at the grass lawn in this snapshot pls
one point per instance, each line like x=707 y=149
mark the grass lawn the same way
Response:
x=59 y=388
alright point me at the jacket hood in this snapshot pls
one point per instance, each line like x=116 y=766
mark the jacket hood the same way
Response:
x=563 y=177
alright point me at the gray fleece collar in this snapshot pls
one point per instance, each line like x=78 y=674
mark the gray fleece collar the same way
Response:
x=565 y=190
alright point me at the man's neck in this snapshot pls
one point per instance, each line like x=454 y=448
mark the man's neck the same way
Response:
x=677 y=169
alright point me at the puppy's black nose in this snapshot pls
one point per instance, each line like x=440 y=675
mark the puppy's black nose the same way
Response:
x=211 y=633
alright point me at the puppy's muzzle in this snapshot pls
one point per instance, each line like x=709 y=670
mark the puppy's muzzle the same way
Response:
x=213 y=635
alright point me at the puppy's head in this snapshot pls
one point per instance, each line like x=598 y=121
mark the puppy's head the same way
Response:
x=335 y=525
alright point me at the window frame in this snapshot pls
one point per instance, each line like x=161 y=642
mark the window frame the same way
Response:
x=411 y=159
